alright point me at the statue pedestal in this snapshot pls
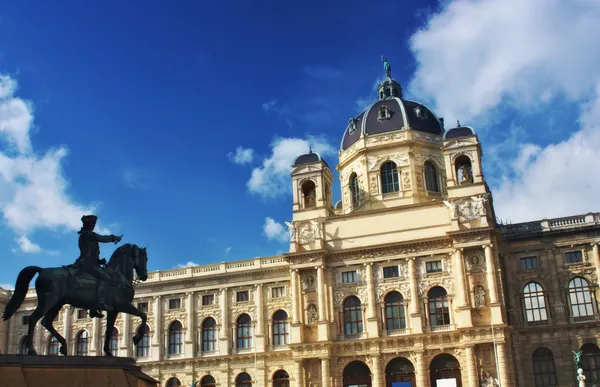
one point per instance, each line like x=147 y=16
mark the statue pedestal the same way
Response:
x=55 y=371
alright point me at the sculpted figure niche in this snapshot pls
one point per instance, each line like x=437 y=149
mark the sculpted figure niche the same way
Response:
x=85 y=285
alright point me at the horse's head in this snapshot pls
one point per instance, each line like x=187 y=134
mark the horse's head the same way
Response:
x=140 y=261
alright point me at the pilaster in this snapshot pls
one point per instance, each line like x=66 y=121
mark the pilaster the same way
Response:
x=503 y=364
x=323 y=324
x=372 y=321
x=325 y=373
x=422 y=373
x=463 y=309
x=378 y=378
x=224 y=331
x=558 y=306
x=472 y=367
x=260 y=321
x=299 y=373
x=157 y=337
x=296 y=332
x=190 y=337
x=416 y=319
x=495 y=306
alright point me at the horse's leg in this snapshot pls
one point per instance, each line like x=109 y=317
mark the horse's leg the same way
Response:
x=47 y=322
x=44 y=304
x=110 y=324
x=131 y=309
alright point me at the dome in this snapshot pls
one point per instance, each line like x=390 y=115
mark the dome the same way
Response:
x=459 y=131
x=308 y=158
x=391 y=115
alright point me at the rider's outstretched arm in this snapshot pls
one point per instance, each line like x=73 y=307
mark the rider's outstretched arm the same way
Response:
x=106 y=238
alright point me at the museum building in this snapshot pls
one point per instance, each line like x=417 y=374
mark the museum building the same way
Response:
x=407 y=281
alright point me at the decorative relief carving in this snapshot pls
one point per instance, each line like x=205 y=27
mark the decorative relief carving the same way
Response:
x=310 y=231
x=458 y=144
x=447 y=264
x=407 y=249
x=468 y=209
x=306 y=169
x=471 y=237
x=313 y=314
x=373 y=186
x=446 y=283
x=479 y=296
x=386 y=138
x=349 y=152
x=406 y=180
x=474 y=260
x=308 y=280
x=374 y=163
x=363 y=295
x=426 y=138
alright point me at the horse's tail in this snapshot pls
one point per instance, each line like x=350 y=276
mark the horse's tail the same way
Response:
x=21 y=288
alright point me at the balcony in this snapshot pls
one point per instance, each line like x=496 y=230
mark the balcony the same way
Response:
x=441 y=328
x=352 y=336
x=396 y=332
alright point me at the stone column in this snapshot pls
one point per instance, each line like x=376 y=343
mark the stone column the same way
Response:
x=94 y=338
x=461 y=294
x=376 y=371
x=224 y=331
x=321 y=292
x=330 y=293
x=502 y=364
x=555 y=297
x=472 y=367
x=416 y=322
x=371 y=312
x=491 y=274
x=422 y=373
x=260 y=321
x=299 y=373
x=126 y=343
x=596 y=257
x=157 y=338
x=295 y=297
x=325 y=373
x=190 y=333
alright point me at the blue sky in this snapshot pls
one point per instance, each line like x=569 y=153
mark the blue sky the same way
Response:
x=176 y=123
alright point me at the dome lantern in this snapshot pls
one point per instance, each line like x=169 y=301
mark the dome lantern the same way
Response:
x=389 y=87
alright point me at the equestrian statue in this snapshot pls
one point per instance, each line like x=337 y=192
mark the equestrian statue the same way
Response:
x=86 y=284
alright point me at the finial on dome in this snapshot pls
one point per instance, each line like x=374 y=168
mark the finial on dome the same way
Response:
x=310 y=149
x=457 y=123
x=387 y=67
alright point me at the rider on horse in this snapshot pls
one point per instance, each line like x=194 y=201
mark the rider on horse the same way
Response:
x=89 y=259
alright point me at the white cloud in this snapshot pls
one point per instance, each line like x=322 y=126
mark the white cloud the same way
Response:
x=242 y=156
x=275 y=231
x=269 y=105
x=475 y=58
x=188 y=264
x=28 y=246
x=227 y=250
x=272 y=178
x=7 y=287
x=135 y=178
x=32 y=187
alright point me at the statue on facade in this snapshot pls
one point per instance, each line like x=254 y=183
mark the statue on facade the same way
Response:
x=84 y=285
x=291 y=230
x=466 y=174
x=580 y=378
x=386 y=67
x=489 y=381
x=577 y=358
x=312 y=314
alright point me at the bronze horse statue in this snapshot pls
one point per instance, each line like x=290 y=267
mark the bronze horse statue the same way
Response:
x=58 y=286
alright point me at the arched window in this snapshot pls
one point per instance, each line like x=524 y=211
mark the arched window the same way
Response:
x=280 y=328
x=82 y=344
x=23 y=346
x=354 y=190
x=208 y=381
x=580 y=298
x=534 y=303
x=431 y=177
x=395 y=316
x=244 y=332
x=464 y=171
x=439 y=312
x=309 y=194
x=281 y=379
x=113 y=344
x=175 y=338
x=143 y=347
x=243 y=380
x=389 y=178
x=353 y=323
x=173 y=382
x=53 y=346
x=209 y=335
x=590 y=363
x=544 y=371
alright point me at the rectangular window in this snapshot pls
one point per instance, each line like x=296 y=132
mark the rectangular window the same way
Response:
x=242 y=296
x=390 y=272
x=24 y=320
x=528 y=263
x=573 y=257
x=278 y=292
x=81 y=313
x=142 y=307
x=208 y=299
x=175 y=303
x=349 y=277
x=433 y=266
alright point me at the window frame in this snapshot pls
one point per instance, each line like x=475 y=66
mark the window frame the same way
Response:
x=439 y=308
x=244 y=332
x=209 y=335
x=175 y=343
x=349 y=277
x=240 y=295
x=394 y=312
x=528 y=260
x=569 y=261
x=544 y=368
x=535 y=305
x=390 y=178
x=353 y=316
x=143 y=348
x=280 y=329
x=578 y=292
x=395 y=270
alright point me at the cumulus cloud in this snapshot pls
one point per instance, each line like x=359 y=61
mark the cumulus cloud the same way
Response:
x=272 y=178
x=188 y=264
x=475 y=58
x=227 y=250
x=275 y=231
x=28 y=246
x=7 y=287
x=241 y=156
x=33 y=189
x=135 y=178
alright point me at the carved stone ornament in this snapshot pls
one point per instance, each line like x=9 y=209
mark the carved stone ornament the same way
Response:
x=470 y=208
x=374 y=163
x=310 y=231
x=474 y=260
x=363 y=295
x=458 y=144
x=313 y=314
x=308 y=281
x=307 y=169
x=386 y=138
x=373 y=186
x=406 y=180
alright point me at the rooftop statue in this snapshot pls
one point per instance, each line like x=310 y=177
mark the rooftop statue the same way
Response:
x=387 y=67
x=85 y=285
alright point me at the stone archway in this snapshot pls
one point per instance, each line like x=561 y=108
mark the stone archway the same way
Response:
x=400 y=370
x=445 y=367
x=357 y=374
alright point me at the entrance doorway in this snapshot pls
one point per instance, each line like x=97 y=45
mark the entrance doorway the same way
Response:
x=445 y=371
x=400 y=371
x=357 y=374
